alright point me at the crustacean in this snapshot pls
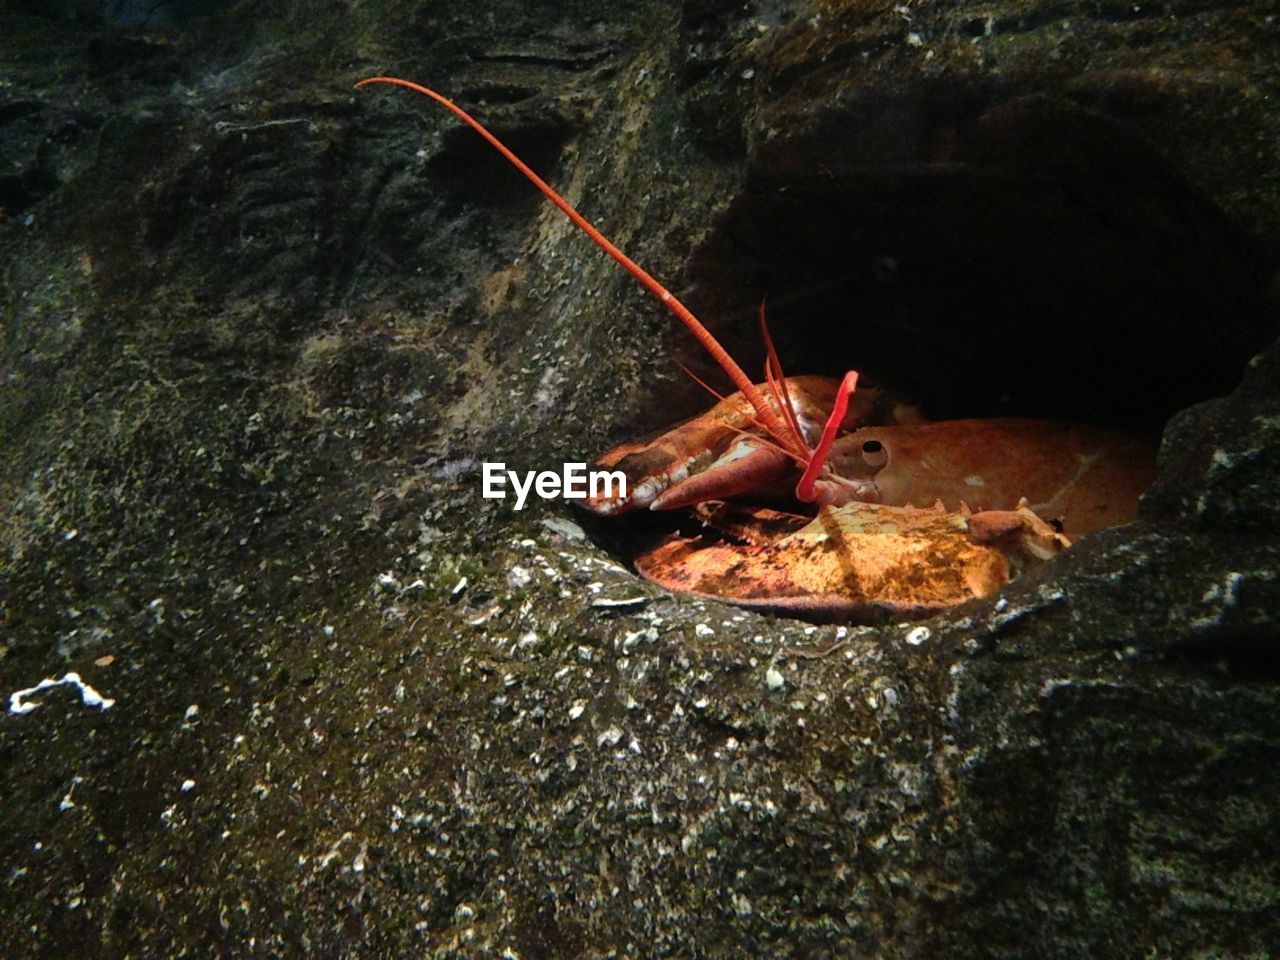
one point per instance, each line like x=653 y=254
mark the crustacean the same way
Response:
x=911 y=517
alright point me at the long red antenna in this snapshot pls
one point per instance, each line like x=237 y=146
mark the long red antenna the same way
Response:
x=769 y=420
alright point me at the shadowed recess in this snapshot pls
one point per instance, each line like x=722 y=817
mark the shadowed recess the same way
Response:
x=1028 y=259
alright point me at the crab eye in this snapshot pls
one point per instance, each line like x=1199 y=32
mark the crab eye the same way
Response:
x=874 y=454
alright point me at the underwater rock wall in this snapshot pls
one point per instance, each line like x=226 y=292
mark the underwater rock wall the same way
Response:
x=260 y=330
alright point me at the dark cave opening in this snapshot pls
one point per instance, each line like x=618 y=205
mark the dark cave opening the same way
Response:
x=1026 y=260
x=1030 y=261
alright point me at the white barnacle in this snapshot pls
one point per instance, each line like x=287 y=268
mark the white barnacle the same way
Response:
x=918 y=636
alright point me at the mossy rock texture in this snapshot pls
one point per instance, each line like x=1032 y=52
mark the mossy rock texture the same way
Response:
x=261 y=329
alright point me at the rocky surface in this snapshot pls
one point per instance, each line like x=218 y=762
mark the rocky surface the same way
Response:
x=260 y=329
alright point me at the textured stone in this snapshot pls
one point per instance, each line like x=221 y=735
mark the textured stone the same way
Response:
x=260 y=330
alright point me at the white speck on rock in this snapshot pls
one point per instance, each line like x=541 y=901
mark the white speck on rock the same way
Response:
x=918 y=636
x=610 y=738
x=647 y=635
x=1053 y=685
x=607 y=603
x=67 y=803
x=1230 y=585
x=18 y=702
x=566 y=528
x=773 y=679
x=518 y=577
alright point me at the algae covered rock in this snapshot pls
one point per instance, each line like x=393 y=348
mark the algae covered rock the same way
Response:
x=261 y=330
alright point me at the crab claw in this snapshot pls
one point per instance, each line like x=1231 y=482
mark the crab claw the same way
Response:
x=745 y=467
x=861 y=562
x=667 y=470
x=657 y=462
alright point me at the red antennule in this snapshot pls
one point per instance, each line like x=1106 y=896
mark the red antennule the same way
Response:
x=804 y=489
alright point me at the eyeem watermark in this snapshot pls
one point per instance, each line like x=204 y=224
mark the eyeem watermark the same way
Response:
x=573 y=482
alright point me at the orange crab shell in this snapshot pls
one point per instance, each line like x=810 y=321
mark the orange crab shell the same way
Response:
x=1087 y=477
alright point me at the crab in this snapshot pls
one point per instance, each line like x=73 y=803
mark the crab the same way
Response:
x=925 y=515
x=893 y=517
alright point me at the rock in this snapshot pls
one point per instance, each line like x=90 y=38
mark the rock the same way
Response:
x=224 y=273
